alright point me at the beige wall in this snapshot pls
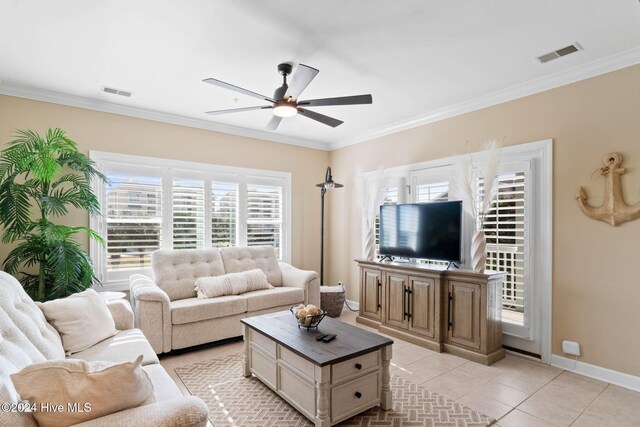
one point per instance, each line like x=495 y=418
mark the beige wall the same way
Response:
x=94 y=130
x=596 y=277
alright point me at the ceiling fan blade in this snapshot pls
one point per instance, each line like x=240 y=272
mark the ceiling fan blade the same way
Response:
x=329 y=121
x=237 y=89
x=237 y=110
x=300 y=80
x=273 y=123
x=341 y=100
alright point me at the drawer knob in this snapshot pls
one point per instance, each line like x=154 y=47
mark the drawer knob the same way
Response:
x=358 y=394
x=358 y=366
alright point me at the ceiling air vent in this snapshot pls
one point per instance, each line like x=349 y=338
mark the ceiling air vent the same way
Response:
x=560 y=52
x=114 y=91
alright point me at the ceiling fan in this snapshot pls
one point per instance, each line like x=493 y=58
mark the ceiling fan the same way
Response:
x=285 y=98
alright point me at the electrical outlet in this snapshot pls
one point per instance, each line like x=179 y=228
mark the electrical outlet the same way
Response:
x=571 y=347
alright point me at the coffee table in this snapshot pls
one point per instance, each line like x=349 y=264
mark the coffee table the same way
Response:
x=326 y=382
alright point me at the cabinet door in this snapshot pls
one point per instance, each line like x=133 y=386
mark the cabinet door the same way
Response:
x=395 y=300
x=464 y=314
x=422 y=306
x=371 y=291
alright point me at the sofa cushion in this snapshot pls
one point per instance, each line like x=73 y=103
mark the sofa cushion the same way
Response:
x=122 y=347
x=176 y=271
x=82 y=319
x=245 y=258
x=232 y=284
x=105 y=387
x=164 y=388
x=197 y=309
x=267 y=298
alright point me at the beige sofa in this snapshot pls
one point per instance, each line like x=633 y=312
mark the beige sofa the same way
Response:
x=171 y=316
x=26 y=338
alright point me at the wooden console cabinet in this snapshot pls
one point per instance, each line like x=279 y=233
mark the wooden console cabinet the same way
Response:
x=457 y=311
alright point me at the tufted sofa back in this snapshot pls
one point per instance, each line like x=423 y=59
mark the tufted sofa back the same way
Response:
x=245 y=258
x=25 y=338
x=176 y=271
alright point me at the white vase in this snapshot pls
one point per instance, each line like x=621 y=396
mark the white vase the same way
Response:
x=370 y=247
x=478 y=251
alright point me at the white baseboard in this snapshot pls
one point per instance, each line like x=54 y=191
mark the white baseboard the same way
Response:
x=592 y=371
x=353 y=304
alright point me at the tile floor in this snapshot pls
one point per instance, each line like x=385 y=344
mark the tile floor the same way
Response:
x=516 y=391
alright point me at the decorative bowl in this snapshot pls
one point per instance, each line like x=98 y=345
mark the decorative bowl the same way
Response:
x=309 y=321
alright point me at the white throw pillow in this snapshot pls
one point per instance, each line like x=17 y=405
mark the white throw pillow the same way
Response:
x=232 y=283
x=81 y=319
x=81 y=391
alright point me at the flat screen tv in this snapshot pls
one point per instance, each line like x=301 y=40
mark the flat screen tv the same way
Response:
x=422 y=230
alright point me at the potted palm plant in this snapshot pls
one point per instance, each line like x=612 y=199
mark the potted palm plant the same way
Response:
x=40 y=179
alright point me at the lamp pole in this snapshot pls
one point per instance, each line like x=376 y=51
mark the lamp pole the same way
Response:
x=328 y=184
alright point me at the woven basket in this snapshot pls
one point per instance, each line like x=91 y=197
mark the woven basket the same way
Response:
x=332 y=299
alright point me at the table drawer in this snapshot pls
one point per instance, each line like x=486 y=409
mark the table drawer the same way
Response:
x=302 y=365
x=350 y=398
x=266 y=344
x=353 y=367
x=263 y=367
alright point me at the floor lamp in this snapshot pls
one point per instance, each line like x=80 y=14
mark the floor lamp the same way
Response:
x=328 y=184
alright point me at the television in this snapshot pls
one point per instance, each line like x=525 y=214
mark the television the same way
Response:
x=422 y=230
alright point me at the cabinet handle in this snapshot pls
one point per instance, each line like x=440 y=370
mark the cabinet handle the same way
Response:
x=379 y=295
x=358 y=394
x=404 y=303
x=449 y=312
x=409 y=303
x=358 y=366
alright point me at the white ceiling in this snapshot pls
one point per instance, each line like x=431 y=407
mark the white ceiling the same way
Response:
x=421 y=60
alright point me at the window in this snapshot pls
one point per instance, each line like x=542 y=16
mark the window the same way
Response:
x=134 y=217
x=153 y=204
x=224 y=214
x=264 y=215
x=188 y=213
x=504 y=227
x=390 y=198
x=436 y=192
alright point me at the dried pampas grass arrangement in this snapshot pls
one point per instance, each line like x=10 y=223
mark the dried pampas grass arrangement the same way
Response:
x=466 y=175
x=369 y=196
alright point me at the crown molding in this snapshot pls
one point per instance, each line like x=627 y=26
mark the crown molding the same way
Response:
x=45 y=95
x=601 y=66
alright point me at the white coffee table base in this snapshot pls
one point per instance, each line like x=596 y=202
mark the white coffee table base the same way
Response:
x=325 y=394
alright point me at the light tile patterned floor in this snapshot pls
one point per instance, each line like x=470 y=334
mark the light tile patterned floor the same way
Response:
x=515 y=391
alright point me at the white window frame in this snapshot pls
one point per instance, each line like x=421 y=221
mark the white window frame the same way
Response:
x=167 y=169
x=540 y=187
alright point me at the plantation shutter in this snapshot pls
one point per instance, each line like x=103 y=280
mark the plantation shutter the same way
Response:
x=134 y=220
x=504 y=227
x=224 y=214
x=264 y=216
x=390 y=198
x=188 y=213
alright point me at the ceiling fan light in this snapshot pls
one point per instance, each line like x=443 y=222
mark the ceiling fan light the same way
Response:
x=285 y=110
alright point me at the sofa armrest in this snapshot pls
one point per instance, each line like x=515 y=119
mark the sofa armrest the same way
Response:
x=305 y=279
x=122 y=314
x=151 y=312
x=185 y=411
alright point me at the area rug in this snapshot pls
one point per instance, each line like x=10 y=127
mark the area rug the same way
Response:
x=234 y=400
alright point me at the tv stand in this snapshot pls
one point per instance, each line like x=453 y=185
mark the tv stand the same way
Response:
x=451 y=263
x=457 y=311
x=385 y=257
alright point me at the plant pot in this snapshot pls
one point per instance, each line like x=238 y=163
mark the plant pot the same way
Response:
x=478 y=251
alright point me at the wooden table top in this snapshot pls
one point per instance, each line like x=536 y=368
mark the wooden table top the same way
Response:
x=350 y=341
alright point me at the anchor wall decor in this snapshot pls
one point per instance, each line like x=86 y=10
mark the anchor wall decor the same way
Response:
x=614 y=210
